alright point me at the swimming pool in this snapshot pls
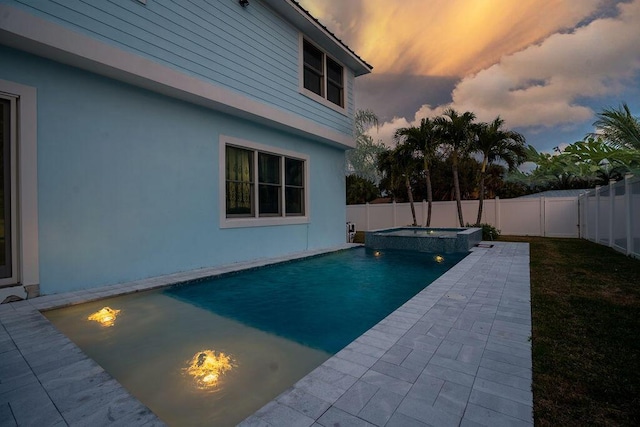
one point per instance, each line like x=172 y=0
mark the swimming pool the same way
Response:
x=263 y=328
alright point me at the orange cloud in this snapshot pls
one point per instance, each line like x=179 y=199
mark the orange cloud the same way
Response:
x=445 y=37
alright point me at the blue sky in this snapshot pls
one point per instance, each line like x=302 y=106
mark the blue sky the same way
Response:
x=546 y=67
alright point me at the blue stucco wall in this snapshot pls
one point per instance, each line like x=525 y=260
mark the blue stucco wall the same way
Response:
x=128 y=182
x=252 y=51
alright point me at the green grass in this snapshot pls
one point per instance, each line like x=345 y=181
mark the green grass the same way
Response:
x=586 y=333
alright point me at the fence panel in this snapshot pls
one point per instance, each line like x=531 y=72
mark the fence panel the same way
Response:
x=591 y=212
x=520 y=217
x=561 y=217
x=619 y=238
x=380 y=216
x=608 y=215
x=604 y=214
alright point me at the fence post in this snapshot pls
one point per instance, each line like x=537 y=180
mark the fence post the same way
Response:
x=596 y=236
x=583 y=219
x=497 y=209
x=367 y=216
x=612 y=201
x=543 y=222
x=628 y=211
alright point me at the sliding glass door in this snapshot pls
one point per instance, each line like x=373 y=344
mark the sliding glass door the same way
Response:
x=7 y=265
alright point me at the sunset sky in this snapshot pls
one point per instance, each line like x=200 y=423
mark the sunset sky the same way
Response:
x=545 y=66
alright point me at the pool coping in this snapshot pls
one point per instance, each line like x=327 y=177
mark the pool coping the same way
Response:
x=457 y=353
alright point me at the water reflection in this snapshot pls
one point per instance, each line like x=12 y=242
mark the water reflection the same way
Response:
x=106 y=316
x=208 y=367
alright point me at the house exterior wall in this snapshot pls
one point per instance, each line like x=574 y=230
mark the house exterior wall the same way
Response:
x=128 y=181
x=251 y=51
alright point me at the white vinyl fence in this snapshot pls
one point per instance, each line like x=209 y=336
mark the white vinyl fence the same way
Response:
x=611 y=215
x=551 y=217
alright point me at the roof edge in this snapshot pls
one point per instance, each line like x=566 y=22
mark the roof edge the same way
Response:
x=311 y=25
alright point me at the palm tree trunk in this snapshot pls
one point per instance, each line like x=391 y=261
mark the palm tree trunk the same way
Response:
x=429 y=197
x=456 y=188
x=480 y=198
x=413 y=208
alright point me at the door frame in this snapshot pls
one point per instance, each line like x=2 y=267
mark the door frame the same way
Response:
x=11 y=231
x=25 y=197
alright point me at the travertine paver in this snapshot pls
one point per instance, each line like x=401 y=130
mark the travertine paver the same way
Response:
x=458 y=353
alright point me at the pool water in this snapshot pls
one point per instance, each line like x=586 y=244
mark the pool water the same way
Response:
x=324 y=302
x=271 y=326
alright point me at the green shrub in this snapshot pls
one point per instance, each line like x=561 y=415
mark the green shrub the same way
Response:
x=489 y=232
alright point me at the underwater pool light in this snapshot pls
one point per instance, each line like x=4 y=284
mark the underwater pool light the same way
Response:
x=106 y=316
x=439 y=259
x=207 y=367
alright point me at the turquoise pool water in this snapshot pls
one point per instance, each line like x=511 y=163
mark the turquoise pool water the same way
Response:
x=323 y=302
x=272 y=325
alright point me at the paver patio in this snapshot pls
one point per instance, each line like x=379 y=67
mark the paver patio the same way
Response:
x=458 y=353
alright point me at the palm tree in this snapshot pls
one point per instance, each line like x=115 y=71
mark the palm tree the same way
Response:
x=423 y=140
x=361 y=161
x=456 y=131
x=497 y=144
x=618 y=127
x=398 y=165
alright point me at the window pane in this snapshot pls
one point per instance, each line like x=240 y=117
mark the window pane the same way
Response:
x=239 y=198
x=334 y=72
x=239 y=164
x=268 y=168
x=294 y=170
x=294 y=201
x=334 y=94
x=312 y=57
x=269 y=200
x=313 y=82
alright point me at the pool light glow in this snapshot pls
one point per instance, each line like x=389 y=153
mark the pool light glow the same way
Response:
x=106 y=316
x=439 y=259
x=207 y=367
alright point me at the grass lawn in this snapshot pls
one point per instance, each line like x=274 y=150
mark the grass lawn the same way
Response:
x=586 y=333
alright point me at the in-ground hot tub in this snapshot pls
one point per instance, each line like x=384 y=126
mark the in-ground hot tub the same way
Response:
x=442 y=240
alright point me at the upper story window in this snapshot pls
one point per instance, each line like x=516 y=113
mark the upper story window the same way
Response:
x=322 y=75
x=262 y=185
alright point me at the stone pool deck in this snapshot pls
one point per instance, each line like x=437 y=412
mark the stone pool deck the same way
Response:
x=458 y=353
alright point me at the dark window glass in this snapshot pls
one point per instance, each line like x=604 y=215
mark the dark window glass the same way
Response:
x=313 y=82
x=313 y=69
x=295 y=201
x=334 y=72
x=294 y=172
x=5 y=190
x=269 y=190
x=240 y=186
x=313 y=57
x=334 y=82
x=270 y=201
x=294 y=187
x=268 y=168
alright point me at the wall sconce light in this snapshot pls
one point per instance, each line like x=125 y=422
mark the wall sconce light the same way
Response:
x=243 y=3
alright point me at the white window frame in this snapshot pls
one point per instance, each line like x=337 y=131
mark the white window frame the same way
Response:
x=256 y=220
x=26 y=194
x=310 y=94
